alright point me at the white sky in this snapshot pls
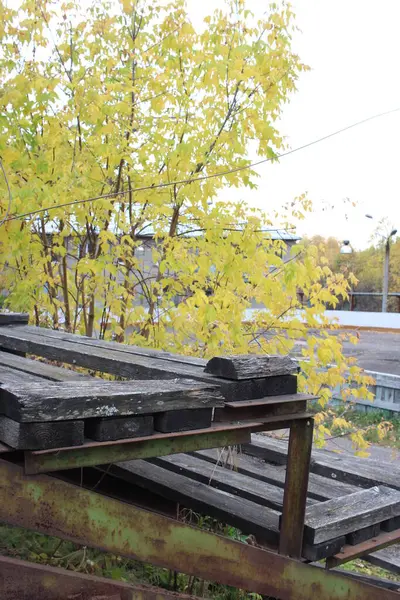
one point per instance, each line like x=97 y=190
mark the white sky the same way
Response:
x=353 y=48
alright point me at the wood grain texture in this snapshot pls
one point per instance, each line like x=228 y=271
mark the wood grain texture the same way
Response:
x=48 y=401
x=10 y=376
x=183 y=420
x=40 y=436
x=234 y=483
x=10 y=318
x=361 y=535
x=249 y=517
x=340 y=516
x=251 y=366
x=119 y=428
x=363 y=472
x=40 y=369
x=319 y=488
x=228 y=413
x=100 y=356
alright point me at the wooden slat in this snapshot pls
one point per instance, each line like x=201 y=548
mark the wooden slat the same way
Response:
x=363 y=472
x=40 y=369
x=251 y=518
x=40 y=436
x=339 y=516
x=48 y=401
x=250 y=366
x=104 y=358
x=127 y=348
x=234 y=483
x=270 y=400
x=259 y=412
x=183 y=420
x=388 y=559
x=105 y=430
x=319 y=488
x=9 y=376
x=10 y=318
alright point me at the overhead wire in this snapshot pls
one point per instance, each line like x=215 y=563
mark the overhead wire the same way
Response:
x=189 y=180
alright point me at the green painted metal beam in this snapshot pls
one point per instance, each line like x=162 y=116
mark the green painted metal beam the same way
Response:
x=58 y=508
x=93 y=454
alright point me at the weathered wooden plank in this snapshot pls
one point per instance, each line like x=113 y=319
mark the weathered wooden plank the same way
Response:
x=251 y=518
x=48 y=401
x=119 y=428
x=391 y=524
x=340 y=516
x=10 y=376
x=40 y=369
x=388 y=559
x=228 y=413
x=364 y=472
x=183 y=420
x=268 y=400
x=132 y=366
x=323 y=550
x=361 y=535
x=251 y=366
x=234 y=483
x=8 y=318
x=127 y=348
x=40 y=436
x=319 y=488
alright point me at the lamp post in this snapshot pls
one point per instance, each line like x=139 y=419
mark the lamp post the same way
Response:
x=385 y=285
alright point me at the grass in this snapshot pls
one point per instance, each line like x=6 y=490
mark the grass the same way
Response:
x=27 y=545
x=368 y=422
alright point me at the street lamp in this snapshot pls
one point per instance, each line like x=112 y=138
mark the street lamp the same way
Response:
x=346 y=248
x=385 y=286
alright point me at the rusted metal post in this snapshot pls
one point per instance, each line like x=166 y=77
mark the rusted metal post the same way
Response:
x=296 y=484
x=54 y=507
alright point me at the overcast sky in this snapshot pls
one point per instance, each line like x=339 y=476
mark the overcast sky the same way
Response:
x=353 y=48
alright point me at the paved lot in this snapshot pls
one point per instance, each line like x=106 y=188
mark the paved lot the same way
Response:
x=375 y=351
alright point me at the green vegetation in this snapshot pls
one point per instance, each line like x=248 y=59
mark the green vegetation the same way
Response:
x=27 y=545
x=377 y=426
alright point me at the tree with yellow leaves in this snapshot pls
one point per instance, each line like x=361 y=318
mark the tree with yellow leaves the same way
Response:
x=129 y=108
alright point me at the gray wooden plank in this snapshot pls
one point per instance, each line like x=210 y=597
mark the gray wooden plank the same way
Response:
x=388 y=558
x=119 y=428
x=319 y=488
x=9 y=376
x=132 y=366
x=183 y=420
x=249 y=517
x=36 y=367
x=246 y=366
x=268 y=400
x=232 y=482
x=40 y=436
x=8 y=318
x=127 y=348
x=364 y=472
x=340 y=516
x=50 y=401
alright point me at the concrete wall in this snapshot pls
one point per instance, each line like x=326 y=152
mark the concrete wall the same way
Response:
x=371 y=320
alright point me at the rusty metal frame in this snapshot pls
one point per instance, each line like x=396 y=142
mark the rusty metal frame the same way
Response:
x=98 y=453
x=41 y=582
x=383 y=540
x=54 y=507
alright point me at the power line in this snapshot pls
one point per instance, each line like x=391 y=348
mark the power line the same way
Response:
x=6 y=217
x=203 y=177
